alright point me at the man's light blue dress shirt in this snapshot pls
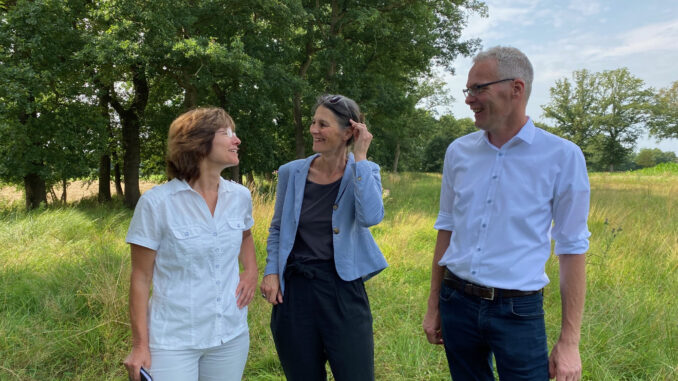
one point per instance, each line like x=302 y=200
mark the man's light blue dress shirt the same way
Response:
x=503 y=207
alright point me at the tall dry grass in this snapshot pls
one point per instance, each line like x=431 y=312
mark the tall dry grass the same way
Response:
x=64 y=280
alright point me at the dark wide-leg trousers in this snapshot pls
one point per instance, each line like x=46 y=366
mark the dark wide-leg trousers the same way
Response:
x=323 y=318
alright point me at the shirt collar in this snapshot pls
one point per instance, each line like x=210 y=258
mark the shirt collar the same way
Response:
x=177 y=186
x=525 y=134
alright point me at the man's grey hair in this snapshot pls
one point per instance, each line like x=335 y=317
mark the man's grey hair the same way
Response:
x=511 y=63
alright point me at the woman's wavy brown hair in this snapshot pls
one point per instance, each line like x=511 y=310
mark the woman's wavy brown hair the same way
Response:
x=190 y=140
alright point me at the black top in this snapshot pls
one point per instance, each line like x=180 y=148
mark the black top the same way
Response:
x=314 y=233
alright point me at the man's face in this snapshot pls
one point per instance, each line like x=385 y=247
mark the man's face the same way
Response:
x=491 y=105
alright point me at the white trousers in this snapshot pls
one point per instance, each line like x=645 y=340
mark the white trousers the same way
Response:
x=223 y=363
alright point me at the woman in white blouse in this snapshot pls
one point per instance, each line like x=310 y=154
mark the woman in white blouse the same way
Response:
x=186 y=237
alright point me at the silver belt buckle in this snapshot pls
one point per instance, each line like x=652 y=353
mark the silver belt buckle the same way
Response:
x=491 y=295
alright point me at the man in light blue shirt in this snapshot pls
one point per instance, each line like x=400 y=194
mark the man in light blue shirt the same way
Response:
x=507 y=190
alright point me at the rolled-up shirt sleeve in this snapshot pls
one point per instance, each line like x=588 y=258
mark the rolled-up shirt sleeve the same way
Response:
x=571 y=206
x=144 y=229
x=445 y=220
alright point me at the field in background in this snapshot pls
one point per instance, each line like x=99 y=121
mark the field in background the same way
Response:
x=64 y=280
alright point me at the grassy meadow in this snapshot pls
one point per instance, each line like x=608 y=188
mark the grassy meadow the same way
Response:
x=64 y=280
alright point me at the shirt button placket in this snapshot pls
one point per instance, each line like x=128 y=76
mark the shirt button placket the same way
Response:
x=487 y=212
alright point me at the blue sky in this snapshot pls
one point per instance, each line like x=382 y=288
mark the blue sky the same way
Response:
x=560 y=37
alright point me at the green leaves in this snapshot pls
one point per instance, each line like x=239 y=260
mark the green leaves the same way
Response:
x=604 y=113
x=66 y=65
x=663 y=120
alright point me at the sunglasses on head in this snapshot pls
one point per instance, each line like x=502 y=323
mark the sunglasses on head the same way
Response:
x=335 y=99
x=344 y=110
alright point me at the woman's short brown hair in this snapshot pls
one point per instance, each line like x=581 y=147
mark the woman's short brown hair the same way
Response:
x=190 y=140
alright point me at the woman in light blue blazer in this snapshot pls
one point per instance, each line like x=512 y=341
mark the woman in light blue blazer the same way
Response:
x=320 y=250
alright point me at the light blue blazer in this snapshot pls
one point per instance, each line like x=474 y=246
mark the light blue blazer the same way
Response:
x=358 y=206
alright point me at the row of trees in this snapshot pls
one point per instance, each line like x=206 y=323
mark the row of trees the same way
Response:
x=649 y=157
x=605 y=113
x=91 y=86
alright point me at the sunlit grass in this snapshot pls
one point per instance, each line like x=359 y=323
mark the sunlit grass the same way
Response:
x=64 y=279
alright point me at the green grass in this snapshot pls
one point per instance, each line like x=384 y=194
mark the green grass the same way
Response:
x=64 y=280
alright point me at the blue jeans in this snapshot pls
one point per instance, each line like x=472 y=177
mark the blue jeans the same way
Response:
x=510 y=328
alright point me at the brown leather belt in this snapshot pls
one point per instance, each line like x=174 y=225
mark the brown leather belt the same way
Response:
x=488 y=293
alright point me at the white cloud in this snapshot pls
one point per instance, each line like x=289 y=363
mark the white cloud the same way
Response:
x=585 y=7
x=652 y=37
x=561 y=37
x=502 y=14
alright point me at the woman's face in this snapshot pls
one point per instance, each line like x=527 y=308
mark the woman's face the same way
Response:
x=327 y=135
x=224 y=148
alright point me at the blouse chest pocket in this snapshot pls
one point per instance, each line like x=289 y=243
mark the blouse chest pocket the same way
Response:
x=236 y=224
x=186 y=232
x=230 y=236
x=187 y=240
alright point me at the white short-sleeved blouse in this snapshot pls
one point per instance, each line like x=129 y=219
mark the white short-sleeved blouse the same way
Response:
x=193 y=302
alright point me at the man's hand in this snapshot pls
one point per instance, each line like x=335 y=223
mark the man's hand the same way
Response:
x=431 y=326
x=432 y=323
x=565 y=362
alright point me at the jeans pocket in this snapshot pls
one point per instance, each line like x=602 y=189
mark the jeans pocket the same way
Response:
x=527 y=307
x=447 y=293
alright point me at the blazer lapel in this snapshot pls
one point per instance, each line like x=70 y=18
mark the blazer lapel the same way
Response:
x=300 y=176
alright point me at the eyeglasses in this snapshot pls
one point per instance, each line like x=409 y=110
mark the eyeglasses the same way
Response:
x=227 y=131
x=474 y=90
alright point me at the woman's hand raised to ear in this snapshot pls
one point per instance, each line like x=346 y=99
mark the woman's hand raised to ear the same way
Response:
x=361 y=140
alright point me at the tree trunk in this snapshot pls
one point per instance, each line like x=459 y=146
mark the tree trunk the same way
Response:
x=53 y=194
x=118 y=176
x=130 y=120
x=104 y=178
x=335 y=30
x=396 y=157
x=131 y=159
x=298 y=128
x=190 y=95
x=105 y=159
x=36 y=191
x=232 y=173
x=235 y=171
x=64 y=186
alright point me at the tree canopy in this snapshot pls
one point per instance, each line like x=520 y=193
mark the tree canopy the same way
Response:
x=604 y=113
x=663 y=120
x=93 y=85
